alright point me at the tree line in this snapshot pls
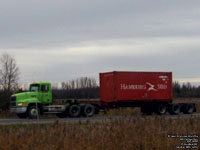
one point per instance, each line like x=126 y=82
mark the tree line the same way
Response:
x=185 y=90
x=84 y=87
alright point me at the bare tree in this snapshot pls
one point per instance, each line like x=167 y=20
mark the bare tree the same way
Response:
x=80 y=83
x=9 y=72
x=84 y=87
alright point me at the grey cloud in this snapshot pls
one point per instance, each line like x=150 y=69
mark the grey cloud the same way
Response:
x=183 y=64
x=47 y=24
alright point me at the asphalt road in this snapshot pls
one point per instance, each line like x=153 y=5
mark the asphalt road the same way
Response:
x=98 y=118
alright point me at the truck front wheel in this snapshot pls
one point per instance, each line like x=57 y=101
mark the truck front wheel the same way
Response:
x=33 y=112
x=74 y=110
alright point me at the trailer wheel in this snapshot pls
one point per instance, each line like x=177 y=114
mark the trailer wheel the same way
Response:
x=33 y=112
x=174 y=109
x=22 y=115
x=88 y=110
x=74 y=110
x=161 y=109
x=188 y=109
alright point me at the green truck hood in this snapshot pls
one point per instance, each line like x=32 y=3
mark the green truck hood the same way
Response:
x=25 y=95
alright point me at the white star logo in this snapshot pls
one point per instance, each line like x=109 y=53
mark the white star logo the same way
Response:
x=152 y=87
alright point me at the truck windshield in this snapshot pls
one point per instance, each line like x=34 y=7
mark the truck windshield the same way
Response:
x=34 y=87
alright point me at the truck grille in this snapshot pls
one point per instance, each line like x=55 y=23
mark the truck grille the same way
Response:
x=13 y=101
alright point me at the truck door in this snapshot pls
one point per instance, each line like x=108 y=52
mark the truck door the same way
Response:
x=46 y=94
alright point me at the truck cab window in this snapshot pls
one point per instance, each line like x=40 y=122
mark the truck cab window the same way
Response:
x=34 y=88
x=45 y=88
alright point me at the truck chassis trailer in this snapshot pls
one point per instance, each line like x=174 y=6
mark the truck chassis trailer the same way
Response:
x=151 y=91
x=87 y=108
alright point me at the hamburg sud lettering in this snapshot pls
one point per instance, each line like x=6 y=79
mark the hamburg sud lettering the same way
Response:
x=148 y=86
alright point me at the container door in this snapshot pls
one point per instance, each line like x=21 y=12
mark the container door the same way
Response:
x=107 y=87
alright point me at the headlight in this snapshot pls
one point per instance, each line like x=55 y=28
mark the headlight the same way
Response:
x=21 y=104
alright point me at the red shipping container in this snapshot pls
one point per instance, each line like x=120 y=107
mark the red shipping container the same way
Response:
x=135 y=86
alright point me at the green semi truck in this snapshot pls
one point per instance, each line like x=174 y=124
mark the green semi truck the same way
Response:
x=151 y=91
x=38 y=100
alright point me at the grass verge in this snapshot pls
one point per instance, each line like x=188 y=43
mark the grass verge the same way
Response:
x=119 y=134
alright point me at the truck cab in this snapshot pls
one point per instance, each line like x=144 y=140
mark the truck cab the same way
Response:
x=39 y=95
x=38 y=101
x=44 y=92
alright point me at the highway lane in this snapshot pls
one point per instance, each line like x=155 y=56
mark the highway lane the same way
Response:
x=96 y=118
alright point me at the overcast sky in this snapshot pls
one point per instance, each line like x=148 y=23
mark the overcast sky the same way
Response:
x=64 y=39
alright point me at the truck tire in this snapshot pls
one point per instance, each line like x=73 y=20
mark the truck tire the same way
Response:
x=88 y=110
x=33 y=112
x=74 y=110
x=161 y=109
x=174 y=109
x=22 y=115
x=188 y=108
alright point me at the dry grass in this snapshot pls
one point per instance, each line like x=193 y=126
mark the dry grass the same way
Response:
x=146 y=133
x=120 y=134
x=6 y=114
